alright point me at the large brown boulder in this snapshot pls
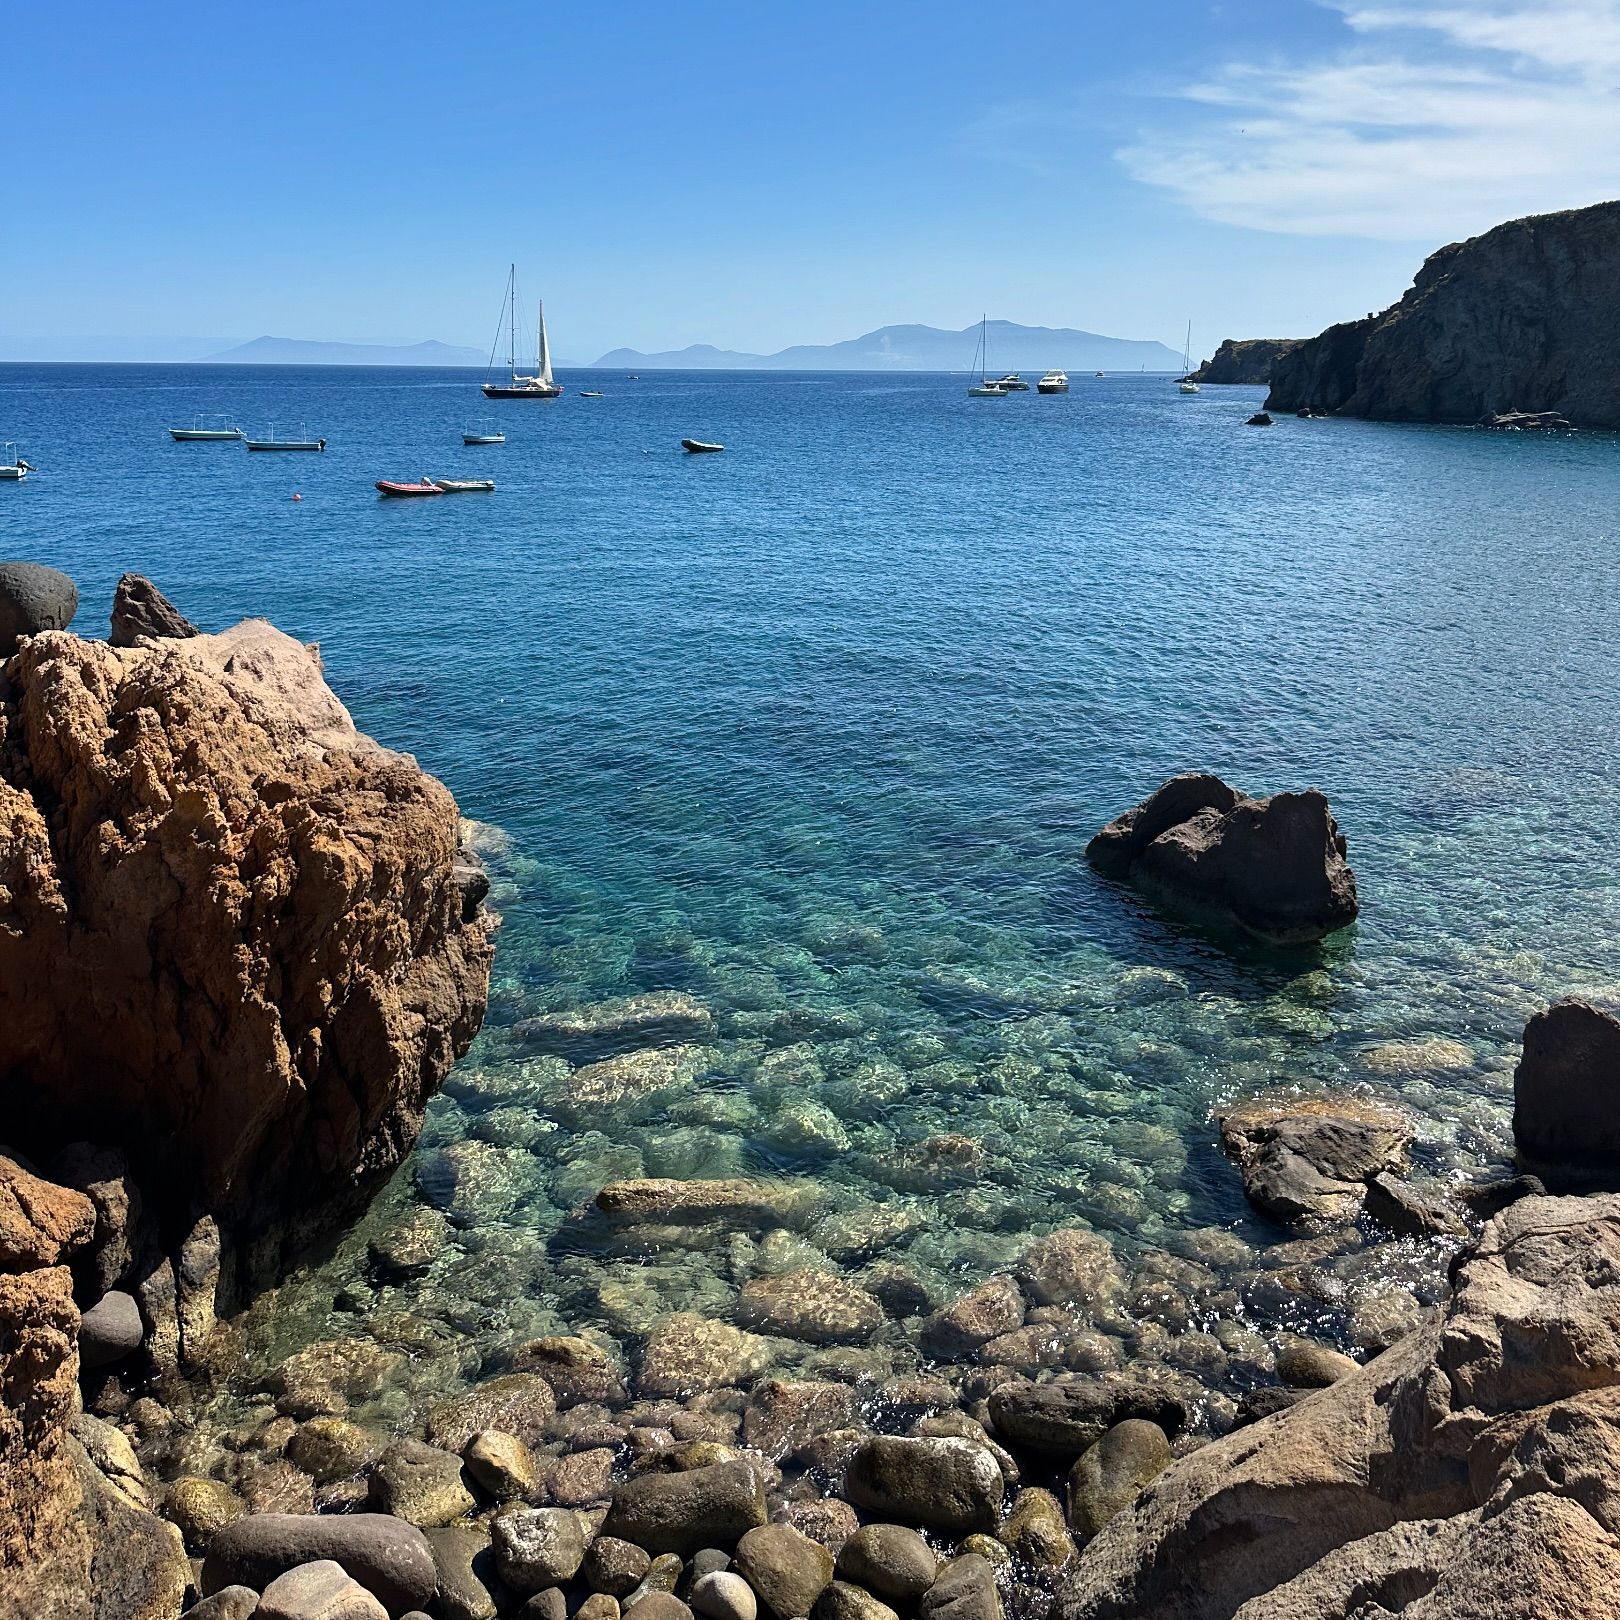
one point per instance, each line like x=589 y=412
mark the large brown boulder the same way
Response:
x=1275 y=868
x=1474 y=1466
x=1566 y=1090
x=232 y=934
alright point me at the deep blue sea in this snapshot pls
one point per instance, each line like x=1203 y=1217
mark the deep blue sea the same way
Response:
x=815 y=731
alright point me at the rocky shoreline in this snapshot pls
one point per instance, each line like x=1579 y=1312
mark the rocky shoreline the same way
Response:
x=1073 y=1435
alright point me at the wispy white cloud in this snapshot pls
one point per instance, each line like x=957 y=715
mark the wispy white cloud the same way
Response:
x=1439 y=119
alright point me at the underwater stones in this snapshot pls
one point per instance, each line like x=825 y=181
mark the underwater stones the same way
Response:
x=897 y=1288
x=576 y=1369
x=804 y=1128
x=745 y=1204
x=936 y=1164
x=515 y=1403
x=1071 y=1413
x=500 y=1464
x=476 y=1182
x=604 y=1028
x=388 y=1557
x=891 y=1561
x=1113 y=1472
x=827 y=1519
x=1274 y=867
x=1035 y=1530
x=581 y=1479
x=1434 y=1054
x=1566 y=1089
x=330 y=1448
x=200 y=1509
x=781 y=1416
x=411 y=1247
x=322 y=1378
x=951 y=1485
x=865 y=1233
x=420 y=1484
x=687 y=1353
x=537 y=1547
x=995 y=1307
x=33 y=598
x=815 y=1306
x=619 y=1082
x=1308 y=1159
x=679 y=1513
x=721 y=1595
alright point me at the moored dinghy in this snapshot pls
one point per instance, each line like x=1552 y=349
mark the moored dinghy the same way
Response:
x=271 y=442
x=14 y=469
x=214 y=430
x=463 y=486
x=698 y=447
x=424 y=486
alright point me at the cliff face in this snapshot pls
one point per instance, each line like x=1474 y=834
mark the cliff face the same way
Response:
x=1244 y=360
x=1523 y=318
x=233 y=934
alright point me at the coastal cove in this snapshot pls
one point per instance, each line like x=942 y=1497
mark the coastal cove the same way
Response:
x=782 y=765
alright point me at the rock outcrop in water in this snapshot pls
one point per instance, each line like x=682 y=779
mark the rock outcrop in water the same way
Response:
x=233 y=938
x=1244 y=360
x=1275 y=867
x=1525 y=318
x=1566 y=1091
x=1471 y=1470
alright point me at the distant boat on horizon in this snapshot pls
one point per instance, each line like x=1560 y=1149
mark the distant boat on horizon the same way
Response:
x=540 y=386
x=986 y=387
x=1187 y=385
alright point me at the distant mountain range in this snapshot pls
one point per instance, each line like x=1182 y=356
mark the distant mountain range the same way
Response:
x=277 y=351
x=923 y=348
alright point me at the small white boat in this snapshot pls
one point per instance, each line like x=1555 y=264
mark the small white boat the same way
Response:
x=483 y=438
x=462 y=486
x=987 y=387
x=215 y=429
x=1054 y=382
x=1187 y=385
x=1099 y=374
x=700 y=447
x=14 y=469
x=589 y=393
x=271 y=442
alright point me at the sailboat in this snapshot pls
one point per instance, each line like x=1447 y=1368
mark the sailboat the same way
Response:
x=1187 y=385
x=985 y=387
x=540 y=386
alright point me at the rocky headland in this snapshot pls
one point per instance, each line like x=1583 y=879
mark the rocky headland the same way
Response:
x=1518 y=320
x=1244 y=360
x=243 y=945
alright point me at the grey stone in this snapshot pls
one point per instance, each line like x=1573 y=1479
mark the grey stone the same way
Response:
x=661 y=1606
x=995 y=1307
x=141 y=609
x=501 y=1464
x=598 y=1606
x=197 y=1275
x=891 y=1561
x=1064 y=1417
x=537 y=1547
x=844 y=1601
x=102 y=1175
x=464 y=1564
x=722 y=1595
x=951 y=1485
x=110 y=1330
x=420 y=1484
x=680 y=1513
x=1409 y=1212
x=1035 y=1530
x=1114 y=1472
x=1302 y=1365
x=390 y=1558
x=965 y=1590
x=332 y=1448
x=318 y=1591
x=230 y=1603
x=615 y=1566
x=33 y=598
x=785 y=1567
x=552 y=1604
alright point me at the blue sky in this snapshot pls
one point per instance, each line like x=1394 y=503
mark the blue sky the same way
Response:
x=757 y=174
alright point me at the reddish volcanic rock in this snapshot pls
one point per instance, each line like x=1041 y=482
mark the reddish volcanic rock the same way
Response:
x=232 y=931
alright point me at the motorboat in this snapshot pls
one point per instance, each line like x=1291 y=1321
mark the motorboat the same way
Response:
x=212 y=431
x=540 y=386
x=986 y=387
x=424 y=486
x=1054 y=382
x=463 y=486
x=590 y=393
x=700 y=447
x=485 y=437
x=14 y=469
x=271 y=442
x=1013 y=383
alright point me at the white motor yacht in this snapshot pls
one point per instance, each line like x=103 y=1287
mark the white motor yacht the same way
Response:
x=1054 y=382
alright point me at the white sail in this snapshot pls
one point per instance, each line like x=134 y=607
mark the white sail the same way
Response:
x=545 y=350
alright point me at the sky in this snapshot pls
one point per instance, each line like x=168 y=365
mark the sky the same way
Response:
x=756 y=174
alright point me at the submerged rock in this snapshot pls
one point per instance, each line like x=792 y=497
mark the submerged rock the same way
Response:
x=1566 y=1089
x=587 y=1034
x=1274 y=867
x=1474 y=1462
x=747 y=1204
x=687 y=1353
x=1070 y=1414
x=815 y=1306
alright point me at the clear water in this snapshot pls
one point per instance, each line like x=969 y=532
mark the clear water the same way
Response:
x=816 y=730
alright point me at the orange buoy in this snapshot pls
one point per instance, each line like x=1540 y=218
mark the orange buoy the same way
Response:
x=297 y=497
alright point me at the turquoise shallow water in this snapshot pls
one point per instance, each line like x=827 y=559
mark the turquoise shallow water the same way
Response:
x=815 y=732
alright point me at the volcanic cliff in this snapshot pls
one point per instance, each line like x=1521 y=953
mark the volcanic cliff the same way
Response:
x=1523 y=318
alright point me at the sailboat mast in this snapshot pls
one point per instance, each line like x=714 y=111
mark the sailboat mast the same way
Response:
x=511 y=321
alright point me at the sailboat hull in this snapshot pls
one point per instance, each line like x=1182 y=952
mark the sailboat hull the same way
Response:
x=522 y=390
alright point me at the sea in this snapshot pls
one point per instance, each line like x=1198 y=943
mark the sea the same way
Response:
x=814 y=732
